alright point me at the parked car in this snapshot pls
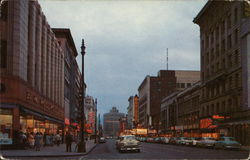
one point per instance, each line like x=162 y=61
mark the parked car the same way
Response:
x=180 y=140
x=102 y=140
x=172 y=140
x=165 y=140
x=150 y=139
x=195 y=140
x=127 y=143
x=206 y=142
x=227 y=143
x=188 y=141
x=157 y=140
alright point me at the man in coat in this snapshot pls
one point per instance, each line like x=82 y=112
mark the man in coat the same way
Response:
x=69 y=140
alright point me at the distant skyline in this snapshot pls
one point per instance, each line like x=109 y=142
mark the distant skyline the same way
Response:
x=126 y=41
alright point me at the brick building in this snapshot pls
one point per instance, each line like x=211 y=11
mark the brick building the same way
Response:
x=32 y=83
x=225 y=62
x=154 y=89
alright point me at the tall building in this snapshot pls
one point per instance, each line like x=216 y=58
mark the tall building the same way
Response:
x=72 y=78
x=154 y=88
x=225 y=63
x=132 y=117
x=32 y=83
x=112 y=122
x=90 y=113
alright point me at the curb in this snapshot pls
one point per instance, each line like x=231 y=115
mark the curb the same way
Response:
x=59 y=155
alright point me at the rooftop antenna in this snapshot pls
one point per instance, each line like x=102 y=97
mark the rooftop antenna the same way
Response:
x=167 y=59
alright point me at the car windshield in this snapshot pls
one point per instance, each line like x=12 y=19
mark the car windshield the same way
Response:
x=129 y=137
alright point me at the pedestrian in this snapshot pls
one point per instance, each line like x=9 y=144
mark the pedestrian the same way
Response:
x=47 y=140
x=38 y=139
x=31 y=140
x=58 y=139
x=69 y=140
x=51 y=139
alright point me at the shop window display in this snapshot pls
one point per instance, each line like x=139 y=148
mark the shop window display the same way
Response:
x=6 y=131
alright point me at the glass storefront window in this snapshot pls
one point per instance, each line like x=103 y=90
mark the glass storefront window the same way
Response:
x=6 y=130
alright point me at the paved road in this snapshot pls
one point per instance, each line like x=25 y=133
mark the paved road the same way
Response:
x=160 y=151
x=163 y=151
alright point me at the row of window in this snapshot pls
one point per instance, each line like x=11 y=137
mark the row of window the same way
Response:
x=233 y=81
x=221 y=107
x=224 y=25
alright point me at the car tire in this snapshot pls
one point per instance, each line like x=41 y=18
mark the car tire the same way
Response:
x=138 y=150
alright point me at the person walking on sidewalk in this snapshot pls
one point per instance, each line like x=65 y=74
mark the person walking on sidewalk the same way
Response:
x=31 y=140
x=38 y=138
x=58 y=139
x=69 y=140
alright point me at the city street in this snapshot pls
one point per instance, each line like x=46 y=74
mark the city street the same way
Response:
x=160 y=151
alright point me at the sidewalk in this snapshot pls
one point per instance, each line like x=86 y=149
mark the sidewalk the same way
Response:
x=49 y=151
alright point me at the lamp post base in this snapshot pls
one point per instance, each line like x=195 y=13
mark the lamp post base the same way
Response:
x=81 y=147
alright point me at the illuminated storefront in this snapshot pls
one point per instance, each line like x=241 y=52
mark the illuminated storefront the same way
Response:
x=209 y=126
x=6 y=131
x=15 y=119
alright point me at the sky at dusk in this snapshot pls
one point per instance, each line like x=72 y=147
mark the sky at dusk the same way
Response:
x=127 y=40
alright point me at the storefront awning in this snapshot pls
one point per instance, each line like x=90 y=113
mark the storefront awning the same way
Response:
x=41 y=115
x=53 y=119
x=31 y=112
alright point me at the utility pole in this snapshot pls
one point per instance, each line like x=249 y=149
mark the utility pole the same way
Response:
x=81 y=144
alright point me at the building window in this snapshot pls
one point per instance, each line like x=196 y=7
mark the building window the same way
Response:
x=229 y=60
x=229 y=105
x=223 y=46
x=229 y=83
x=217 y=107
x=235 y=15
x=236 y=80
x=223 y=64
x=229 y=41
x=223 y=106
x=212 y=38
x=3 y=54
x=217 y=33
x=236 y=59
x=236 y=36
x=188 y=84
x=222 y=28
x=229 y=21
x=182 y=85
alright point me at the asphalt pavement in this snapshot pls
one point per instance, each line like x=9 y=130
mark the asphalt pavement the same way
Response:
x=160 y=151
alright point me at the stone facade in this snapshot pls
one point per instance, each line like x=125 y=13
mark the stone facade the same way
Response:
x=111 y=122
x=224 y=40
x=32 y=65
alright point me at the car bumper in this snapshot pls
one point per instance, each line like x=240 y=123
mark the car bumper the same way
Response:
x=131 y=148
x=232 y=147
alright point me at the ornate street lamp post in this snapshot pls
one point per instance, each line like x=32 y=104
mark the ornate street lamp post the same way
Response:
x=81 y=144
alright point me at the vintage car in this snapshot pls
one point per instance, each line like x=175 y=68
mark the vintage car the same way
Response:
x=227 y=143
x=206 y=142
x=165 y=140
x=181 y=140
x=102 y=140
x=127 y=143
